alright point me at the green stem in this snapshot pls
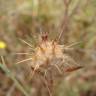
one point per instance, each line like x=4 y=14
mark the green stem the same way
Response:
x=9 y=74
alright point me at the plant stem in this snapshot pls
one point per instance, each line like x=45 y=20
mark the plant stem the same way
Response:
x=9 y=74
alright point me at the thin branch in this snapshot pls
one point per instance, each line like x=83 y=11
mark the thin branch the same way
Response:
x=46 y=83
x=65 y=19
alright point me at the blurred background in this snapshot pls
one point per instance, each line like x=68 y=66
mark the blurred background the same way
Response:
x=26 y=19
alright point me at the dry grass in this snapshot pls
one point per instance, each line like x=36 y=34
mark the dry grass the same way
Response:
x=46 y=65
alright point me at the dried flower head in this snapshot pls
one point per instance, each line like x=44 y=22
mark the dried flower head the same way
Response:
x=49 y=56
x=49 y=59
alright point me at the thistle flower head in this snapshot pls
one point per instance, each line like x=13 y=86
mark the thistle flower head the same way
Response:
x=49 y=55
x=46 y=51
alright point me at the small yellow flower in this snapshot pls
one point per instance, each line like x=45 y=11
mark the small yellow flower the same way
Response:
x=2 y=45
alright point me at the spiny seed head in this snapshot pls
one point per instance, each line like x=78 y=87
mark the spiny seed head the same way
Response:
x=49 y=55
x=46 y=51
